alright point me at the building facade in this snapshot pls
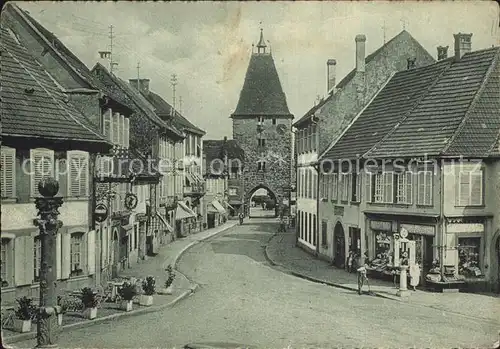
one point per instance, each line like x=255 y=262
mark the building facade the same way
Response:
x=262 y=128
x=330 y=116
x=422 y=173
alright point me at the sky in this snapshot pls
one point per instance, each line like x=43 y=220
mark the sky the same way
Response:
x=208 y=44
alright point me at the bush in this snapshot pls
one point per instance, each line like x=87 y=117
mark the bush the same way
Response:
x=26 y=310
x=170 y=276
x=88 y=298
x=149 y=286
x=127 y=291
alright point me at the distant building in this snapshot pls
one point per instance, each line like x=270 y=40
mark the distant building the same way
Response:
x=262 y=127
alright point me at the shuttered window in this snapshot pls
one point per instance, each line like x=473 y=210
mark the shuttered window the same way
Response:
x=78 y=173
x=107 y=123
x=126 y=133
x=344 y=186
x=77 y=250
x=404 y=182
x=389 y=187
x=470 y=188
x=424 y=183
x=355 y=187
x=42 y=166
x=334 y=187
x=369 y=187
x=116 y=128
x=8 y=172
x=121 y=141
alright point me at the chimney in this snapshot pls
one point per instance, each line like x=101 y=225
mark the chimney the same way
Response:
x=143 y=85
x=462 y=44
x=410 y=63
x=331 y=65
x=360 y=53
x=442 y=52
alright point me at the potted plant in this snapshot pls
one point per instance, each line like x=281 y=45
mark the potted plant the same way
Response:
x=25 y=311
x=89 y=301
x=127 y=292
x=149 y=288
x=169 y=281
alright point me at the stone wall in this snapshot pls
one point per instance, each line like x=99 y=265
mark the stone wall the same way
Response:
x=276 y=152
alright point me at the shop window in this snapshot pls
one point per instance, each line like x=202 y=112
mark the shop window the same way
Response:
x=324 y=233
x=37 y=257
x=6 y=265
x=468 y=254
x=470 y=188
x=383 y=247
x=418 y=247
x=77 y=249
x=424 y=185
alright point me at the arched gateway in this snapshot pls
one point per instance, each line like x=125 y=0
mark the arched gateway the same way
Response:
x=262 y=127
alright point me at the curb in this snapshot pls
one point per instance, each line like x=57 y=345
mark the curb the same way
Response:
x=288 y=271
x=88 y=323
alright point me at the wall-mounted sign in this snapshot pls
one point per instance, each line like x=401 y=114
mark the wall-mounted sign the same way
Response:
x=418 y=229
x=381 y=225
x=130 y=201
x=465 y=228
x=100 y=213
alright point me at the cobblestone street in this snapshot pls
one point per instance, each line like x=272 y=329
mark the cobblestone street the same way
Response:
x=241 y=299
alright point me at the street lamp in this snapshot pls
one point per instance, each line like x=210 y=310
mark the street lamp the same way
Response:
x=48 y=209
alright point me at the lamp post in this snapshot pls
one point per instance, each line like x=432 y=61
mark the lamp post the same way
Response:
x=48 y=209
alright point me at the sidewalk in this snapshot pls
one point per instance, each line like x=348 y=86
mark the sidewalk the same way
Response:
x=155 y=266
x=282 y=252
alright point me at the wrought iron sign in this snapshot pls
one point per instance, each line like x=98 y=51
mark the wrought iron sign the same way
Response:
x=101 y=213
x=131 y=201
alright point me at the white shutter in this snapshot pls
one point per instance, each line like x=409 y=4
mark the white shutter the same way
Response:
x=66 y=255
x=428 y=187
x=107 y=124
x=8 y=172
x=29 y=253
x=91 y=252
x=116 y=128
x=421 y=187
x=42 y=166
x=78 y=173
x=122 y=131
x=388 y=187
x=58 y=255
x=23 y=260
x=368 y=186
x=476 y=188
x=409 y=187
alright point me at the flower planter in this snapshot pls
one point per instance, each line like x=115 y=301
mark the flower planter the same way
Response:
x=146 y=300
x=126 y=305
x=59 y=319
x=22 y=326
x=90 y=313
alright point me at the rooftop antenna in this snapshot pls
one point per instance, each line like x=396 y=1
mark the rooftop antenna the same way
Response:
x=109 y=54
x=138 y=75
x=384 y=29
x=180 y=104
x=173 y=82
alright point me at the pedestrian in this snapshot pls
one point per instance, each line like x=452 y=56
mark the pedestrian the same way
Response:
x=414 y=275
x=362 y=278
x=350 y=260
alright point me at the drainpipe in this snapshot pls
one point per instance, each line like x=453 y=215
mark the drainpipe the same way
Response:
x=442 y=243
x=317 y=167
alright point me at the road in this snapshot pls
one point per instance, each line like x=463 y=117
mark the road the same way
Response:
x=243 y=300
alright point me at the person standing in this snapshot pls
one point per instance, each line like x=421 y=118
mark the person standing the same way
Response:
x=414 y=275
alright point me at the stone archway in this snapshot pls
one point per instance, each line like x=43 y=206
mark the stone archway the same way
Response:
x=270 y=193
x=339 y=256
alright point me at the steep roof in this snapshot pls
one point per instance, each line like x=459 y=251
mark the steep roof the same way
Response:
x=59 y=48
x=166 y=112
x=403 y=35
x=33 y=105
x=140 y=103
x=459 y=115
x=214 y=149
x=391 y=104
x=262 y=93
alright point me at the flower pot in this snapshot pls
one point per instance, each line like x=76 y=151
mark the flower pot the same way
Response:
x=22 y=326
x=59 y=319
x=146 y=300
x=126 y=305
x=90 y=313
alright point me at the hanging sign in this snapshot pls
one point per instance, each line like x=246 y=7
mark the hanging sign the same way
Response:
x=130 y=201
x=100 y=213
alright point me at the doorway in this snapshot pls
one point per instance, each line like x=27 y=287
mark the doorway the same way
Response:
x=498 y=263
x=339 y=246
x=211 y=220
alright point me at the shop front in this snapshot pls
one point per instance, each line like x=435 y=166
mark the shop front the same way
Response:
x=121 y=230
x=215 y=214
x=185 y=219
x=384 y=237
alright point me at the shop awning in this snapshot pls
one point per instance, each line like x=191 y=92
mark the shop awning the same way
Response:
x=183 y=212
x=167 y=226
x=189 y=177
x=216 y=207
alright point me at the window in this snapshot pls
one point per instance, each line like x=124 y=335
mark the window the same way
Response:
x=6 y=263
x=469 y=257
x=404 y=185
x=389 y=187
x=370 y=187
x=76 y=254
x=261 y=142
x=344 y=186
x=470 y=188
x=116 y=128
x=424 y=188
x=78 y=174
x=379 y=187
x=42 y=166
x=261 y=165
x=233 y=191
x=37 y=257
x=8 y=172
x=355 y=187
x=334 y=187
x=301 y=141
x=274 y=121
x=260 y=120
x=313 y=137
x=324 y=232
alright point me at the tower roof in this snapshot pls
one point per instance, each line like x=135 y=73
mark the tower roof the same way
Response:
x=262 y=42
x=262 y=93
